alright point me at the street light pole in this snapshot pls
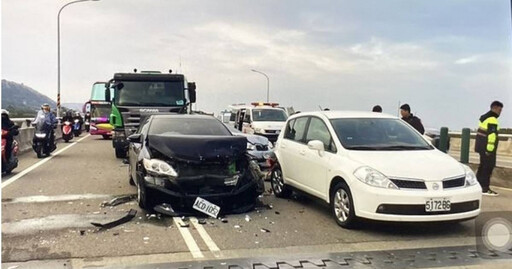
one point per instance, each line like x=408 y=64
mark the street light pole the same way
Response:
x=58 y=50
x=268 y=82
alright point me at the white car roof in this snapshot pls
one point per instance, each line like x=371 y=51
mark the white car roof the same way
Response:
x=345 y=114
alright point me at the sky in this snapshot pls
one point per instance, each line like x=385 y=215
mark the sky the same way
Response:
x=447 y=59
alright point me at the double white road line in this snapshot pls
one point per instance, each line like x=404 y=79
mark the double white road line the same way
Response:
x=191 y=243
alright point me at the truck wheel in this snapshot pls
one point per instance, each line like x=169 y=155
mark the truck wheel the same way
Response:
x=120 y=152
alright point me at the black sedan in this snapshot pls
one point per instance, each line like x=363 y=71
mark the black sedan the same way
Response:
x=174 y=159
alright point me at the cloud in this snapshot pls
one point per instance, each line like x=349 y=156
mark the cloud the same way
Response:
x=468 y=60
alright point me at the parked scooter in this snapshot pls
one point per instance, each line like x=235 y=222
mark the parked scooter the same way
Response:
x=67 y=131
x=77 y=128
x=43 y=142
x=9 y=162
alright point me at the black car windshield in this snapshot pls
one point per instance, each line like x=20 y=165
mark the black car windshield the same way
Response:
x=188 y=126
x=268 y=115
x=377 y=134
x=151 y=93
x=98 y=111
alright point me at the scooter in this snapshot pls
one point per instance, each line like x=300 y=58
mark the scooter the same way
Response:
x=77 y=128
x=67 y=131
x=43 y=144
x=9 y=162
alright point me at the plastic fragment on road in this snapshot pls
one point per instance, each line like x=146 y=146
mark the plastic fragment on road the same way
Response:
x=165 y=209
x=247 y=218
x=237 y=226
x=224 y=220
x=263 y=230
x=201 y=221
x=129 y=216
x=278 y=213
x=119 y=200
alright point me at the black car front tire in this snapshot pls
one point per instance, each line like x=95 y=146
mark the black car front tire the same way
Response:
x=144 y=198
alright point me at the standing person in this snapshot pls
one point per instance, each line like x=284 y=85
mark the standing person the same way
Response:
x=486 y=145
x=407 y=116
x=377 y=108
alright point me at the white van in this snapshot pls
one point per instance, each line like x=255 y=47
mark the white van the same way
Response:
x=265 y=119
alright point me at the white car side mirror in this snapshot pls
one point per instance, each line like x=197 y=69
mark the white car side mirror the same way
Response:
x=316 y=145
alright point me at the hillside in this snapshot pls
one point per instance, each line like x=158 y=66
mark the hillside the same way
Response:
x=22 y=101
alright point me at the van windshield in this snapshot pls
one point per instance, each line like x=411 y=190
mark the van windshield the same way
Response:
x=268 y=115
x=378 y=134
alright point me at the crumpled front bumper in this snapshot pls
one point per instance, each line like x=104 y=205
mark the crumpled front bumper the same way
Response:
x=238 y=200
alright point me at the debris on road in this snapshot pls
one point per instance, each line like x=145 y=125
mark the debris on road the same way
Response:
x=131 y=214
x=128 y=231
x=223 y=220
x=237 y=226
x=202 y=221
x=116 y=234
x=247 y=218
x=264 y=230
x=277 y=212
x=165 y=209
x=82 y=232
x=119 y=200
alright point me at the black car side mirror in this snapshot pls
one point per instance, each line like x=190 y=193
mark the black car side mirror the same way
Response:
x=135 y=138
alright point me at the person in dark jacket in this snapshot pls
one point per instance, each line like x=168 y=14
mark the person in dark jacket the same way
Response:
x=8 y=124
x=486 y=144
x=68 y=116
x=407 y=116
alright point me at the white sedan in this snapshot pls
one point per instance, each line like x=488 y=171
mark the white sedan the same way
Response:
x=373 y=166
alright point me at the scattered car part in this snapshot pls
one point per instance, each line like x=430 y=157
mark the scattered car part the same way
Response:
x=131 y=214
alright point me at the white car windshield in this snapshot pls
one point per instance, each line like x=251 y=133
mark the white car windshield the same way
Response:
x=268 y=115
x=377 y=134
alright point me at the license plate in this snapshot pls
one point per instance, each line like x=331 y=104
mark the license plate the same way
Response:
x=437 y=205
x=206 y=207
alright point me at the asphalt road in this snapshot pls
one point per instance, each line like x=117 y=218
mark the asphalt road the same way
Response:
x=47 y=207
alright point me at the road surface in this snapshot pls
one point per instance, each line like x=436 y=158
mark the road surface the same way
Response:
x=47 y=207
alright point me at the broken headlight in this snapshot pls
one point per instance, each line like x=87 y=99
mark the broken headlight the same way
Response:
x=251 y=146
x=159 y=168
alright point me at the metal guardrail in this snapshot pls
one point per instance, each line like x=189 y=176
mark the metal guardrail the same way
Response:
x=457 y=133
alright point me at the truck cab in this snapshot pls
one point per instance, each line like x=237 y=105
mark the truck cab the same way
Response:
x=265 y=119
x=137 y=95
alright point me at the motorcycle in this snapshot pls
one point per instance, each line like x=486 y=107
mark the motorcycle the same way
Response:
x=77 y=128
x=43 y=144
x=9 y=162
x=67 y=131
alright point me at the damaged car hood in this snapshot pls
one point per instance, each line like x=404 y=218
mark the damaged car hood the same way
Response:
x=195 y=148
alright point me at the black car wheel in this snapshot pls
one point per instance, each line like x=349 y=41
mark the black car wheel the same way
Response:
x=144 y=198
x=342 y=206
x=280 y=189
x=130 y=175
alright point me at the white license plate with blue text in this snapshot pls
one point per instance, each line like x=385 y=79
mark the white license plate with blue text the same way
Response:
x=206 y=207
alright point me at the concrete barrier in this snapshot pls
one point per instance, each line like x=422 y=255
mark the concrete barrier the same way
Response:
x=504 y=146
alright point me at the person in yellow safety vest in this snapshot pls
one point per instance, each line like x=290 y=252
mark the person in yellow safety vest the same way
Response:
x=486 y=144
